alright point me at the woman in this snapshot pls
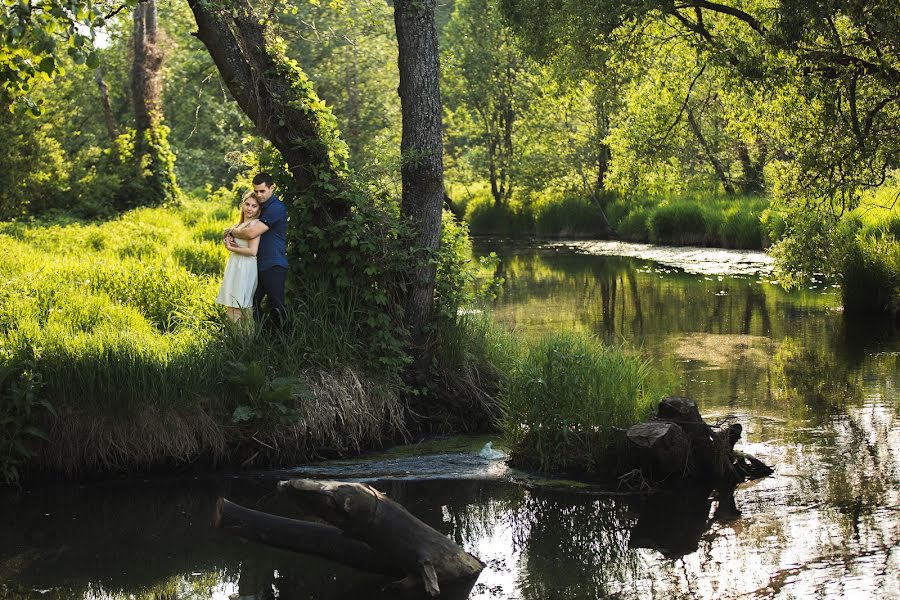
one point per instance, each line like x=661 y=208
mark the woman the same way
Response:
x=239 y=281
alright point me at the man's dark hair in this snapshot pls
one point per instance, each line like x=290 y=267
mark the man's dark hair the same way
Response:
x=263 y=178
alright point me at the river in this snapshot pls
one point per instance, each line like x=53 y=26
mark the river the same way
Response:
x=815 y=392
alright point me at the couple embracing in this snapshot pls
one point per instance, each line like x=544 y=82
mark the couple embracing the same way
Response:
x=257 y=265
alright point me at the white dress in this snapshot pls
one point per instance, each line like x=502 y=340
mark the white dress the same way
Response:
x=239 y=281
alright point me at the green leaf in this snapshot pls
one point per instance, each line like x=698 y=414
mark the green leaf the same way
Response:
x=243 y=413
x=48 y=64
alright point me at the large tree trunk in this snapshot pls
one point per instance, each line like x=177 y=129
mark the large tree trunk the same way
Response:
x=366 y=530
x=146 y=84
x=422 y=167
x=278 y=98
x=154 y=161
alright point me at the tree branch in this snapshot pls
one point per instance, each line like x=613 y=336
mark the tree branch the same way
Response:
x=727 y=10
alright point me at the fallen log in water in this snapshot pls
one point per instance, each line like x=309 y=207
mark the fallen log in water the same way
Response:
x=366 y=530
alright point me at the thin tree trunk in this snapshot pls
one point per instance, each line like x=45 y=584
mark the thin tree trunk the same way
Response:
x=107 y=109
x=716 y=165
x=422 y=167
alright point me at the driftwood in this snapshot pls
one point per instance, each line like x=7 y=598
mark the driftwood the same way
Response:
x=366 y=530
x=677 y=442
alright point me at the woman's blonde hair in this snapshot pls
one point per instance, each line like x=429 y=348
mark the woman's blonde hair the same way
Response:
x=250 y=194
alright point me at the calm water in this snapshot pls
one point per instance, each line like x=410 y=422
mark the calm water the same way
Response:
x=817 y=396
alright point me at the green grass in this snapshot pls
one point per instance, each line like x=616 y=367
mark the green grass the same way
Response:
x=114 y=325
x=692 y=219
x=702 y=219
x=566 y=394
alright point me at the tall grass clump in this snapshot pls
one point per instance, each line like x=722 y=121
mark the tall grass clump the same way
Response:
x=568 y=215
x=871 y=274
x=678 y=223
x=691 y=219
x=473 y=355
x=512 y=219
x=564 y=398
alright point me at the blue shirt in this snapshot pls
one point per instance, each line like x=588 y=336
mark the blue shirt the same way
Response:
x=272 y=244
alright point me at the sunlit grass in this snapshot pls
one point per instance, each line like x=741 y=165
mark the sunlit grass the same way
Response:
x=115 y=325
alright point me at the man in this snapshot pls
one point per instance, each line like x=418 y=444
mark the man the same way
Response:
x=271 y=257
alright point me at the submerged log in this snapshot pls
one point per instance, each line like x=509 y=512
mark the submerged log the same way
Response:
x=366 y=530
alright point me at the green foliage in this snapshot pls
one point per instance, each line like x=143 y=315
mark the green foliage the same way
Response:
x=20 y=384
x=871 y=274
x=349 y=50
x=570 y=215
x=677 y=223
x=812 y=244
x=635 y=225
x=37 y=38
x=32 y=167
x=565 y=395
x=267 y=400
x=457 y=280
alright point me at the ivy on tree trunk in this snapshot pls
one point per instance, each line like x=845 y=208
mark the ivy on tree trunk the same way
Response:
x=153 y=158
x=422 y=167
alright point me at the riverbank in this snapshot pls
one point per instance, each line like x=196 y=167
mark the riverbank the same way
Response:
x=115 y=359
x=699 y=219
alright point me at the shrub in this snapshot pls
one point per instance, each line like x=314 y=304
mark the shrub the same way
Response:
x=635 y=225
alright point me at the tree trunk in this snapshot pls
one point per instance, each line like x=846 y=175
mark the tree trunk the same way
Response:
x=422 y=167
x=278 y=98
x=146 y=85
x=153 y=161
x=107 y=109
x=752 y=171
x=366 y=530
x=716 y=165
